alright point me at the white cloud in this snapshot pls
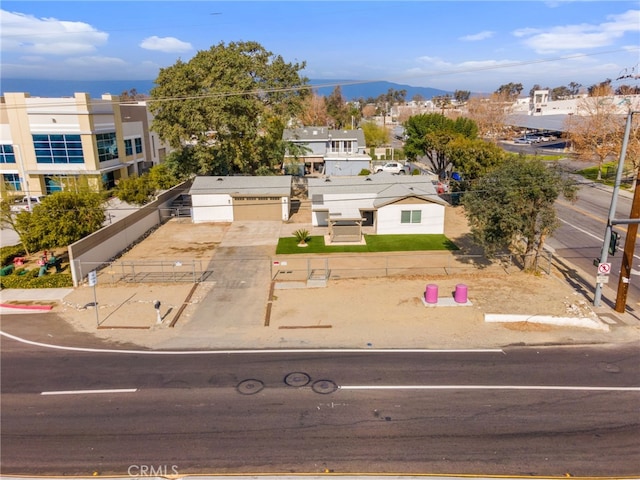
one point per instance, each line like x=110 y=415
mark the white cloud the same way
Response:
x=165 y=44
x=31 y=35
x=91 y=62
x=478 y=36
x=581 y=36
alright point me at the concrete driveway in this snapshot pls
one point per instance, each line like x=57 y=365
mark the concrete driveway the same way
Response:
x=241 y=281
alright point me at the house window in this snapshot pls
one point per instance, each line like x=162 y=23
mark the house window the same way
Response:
x=6 y=154
x=12 y=180
x=58 y=148
x=338 y=146
x=128 y=147
x=138 y=142
x=410 y=216
x=107 y=146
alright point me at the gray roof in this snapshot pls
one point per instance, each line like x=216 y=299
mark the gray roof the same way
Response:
x=279 y=185
x=317 y=134
x=555 y=123
x=383 y=187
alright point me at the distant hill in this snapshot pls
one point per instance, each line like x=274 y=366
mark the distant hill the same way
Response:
x=351 y=89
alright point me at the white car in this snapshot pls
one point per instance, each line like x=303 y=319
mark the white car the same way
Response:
x=395 y=168
x=22 y=204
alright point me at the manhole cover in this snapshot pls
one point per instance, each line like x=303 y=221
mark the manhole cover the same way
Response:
x=324 y=386
x=297 y=379
x=249 y=387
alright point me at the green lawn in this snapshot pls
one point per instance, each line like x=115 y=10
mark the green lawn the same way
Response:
x=375 y=243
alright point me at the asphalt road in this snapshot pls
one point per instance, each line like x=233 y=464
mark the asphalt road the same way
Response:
x=580 y=237
x=521 y=411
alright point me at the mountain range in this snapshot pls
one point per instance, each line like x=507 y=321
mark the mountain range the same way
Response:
x=351 y=89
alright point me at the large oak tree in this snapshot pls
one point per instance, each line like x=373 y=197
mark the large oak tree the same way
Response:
x=229 y=104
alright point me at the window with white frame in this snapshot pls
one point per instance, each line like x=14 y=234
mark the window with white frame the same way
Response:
x=410 y=216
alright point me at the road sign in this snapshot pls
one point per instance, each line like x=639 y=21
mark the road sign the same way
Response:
x=93 y=278
x=604 y=268
x=602 y=279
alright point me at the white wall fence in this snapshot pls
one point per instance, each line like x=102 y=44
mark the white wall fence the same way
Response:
x=102 y=247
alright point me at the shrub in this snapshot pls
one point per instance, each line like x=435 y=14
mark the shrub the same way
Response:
x=416 y=172
x=302 y=235
x=58 y=280
x=7 y=254
x=364 y=172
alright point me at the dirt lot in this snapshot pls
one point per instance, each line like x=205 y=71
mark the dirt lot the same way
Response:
x=496 y=292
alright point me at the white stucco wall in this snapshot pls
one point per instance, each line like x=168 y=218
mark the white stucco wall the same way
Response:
x=342 y=201
x=432 y=221
x=211 y=208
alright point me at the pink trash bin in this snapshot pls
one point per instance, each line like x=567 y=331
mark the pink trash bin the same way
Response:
x=431 y=293
x=460 y=295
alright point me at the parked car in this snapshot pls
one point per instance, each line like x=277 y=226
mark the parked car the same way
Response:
x=395 y=168
x=522 y=140
x=22 y=204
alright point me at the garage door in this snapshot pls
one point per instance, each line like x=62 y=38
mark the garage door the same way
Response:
x=257 y=208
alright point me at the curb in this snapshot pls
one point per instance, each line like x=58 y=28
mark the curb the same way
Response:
x=26 y=307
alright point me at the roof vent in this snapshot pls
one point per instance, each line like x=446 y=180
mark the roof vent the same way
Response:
x=327 y=179
x=368 y=179
x=219 y=179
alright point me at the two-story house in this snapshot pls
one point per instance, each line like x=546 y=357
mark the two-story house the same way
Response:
x=324 y=151
x=52 y=144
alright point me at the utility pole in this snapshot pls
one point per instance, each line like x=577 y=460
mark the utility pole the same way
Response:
x=611 y=221
x=629 y=250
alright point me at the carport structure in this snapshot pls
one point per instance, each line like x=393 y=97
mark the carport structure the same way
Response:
x=345 y=225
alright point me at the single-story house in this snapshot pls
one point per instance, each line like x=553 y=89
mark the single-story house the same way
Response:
x=390 y=204
x=227 y=199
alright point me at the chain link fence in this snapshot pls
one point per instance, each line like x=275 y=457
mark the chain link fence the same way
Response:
x=147 y=271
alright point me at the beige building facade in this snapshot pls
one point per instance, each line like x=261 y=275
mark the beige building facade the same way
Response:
x=54 y=144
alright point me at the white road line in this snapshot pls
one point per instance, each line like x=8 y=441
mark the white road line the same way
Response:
x=266 y=350
x=489 y=387
x=87 y=392
x=589 y=233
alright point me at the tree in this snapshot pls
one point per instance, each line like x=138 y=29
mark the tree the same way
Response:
x=314 y=111
x=61 y=219
x=510 y=91
x=462 y=96
x=473 y=157
x=442 y=101
x=490 y=113
x=560 y=93
x=8 y=220
x=596 y=130
x=374 y=135
x=429 y=134
x=601 y=89
x=515 y=202
x=337 y=108
x=141 y=189
x=221 y=102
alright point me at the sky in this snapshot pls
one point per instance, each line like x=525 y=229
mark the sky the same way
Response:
x=449 y=45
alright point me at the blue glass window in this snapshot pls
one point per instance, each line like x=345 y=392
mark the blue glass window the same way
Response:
x=13 y=181
x=138 y=145
x=107 y=146
x=128 y=148
x=58 y=148
x=6 y=154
